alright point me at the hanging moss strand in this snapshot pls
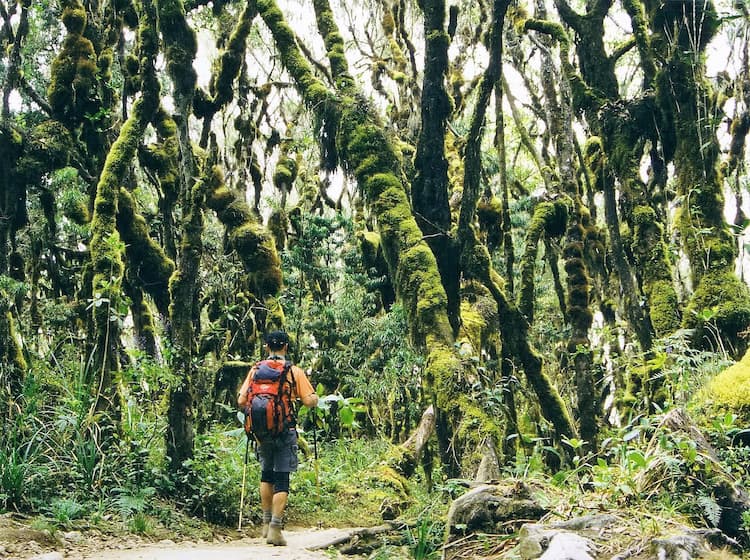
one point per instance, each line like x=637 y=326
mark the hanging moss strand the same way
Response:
x=230 y=62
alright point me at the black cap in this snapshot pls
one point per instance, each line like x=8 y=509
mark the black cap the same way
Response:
x=276 y=339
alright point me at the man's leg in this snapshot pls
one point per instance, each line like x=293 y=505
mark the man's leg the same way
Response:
x=285 y=462
x=266 y=500
x=280 y=497
x=279 y=503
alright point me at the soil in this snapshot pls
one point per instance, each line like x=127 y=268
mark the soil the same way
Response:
x=244 y=549
x=18 y=541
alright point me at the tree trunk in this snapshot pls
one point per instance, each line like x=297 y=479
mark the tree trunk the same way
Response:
x=106 y=248
x=430 y=188
x=180 y=48
x=720 y=299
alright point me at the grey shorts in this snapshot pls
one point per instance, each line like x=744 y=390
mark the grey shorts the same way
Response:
x=279 y=454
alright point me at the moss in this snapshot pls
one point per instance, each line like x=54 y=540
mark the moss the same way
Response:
x=334 y=44
x=477 y=425
x=473 y=327
x=418 y=284
x=443 y=371
x=11 y=352
x=132 y=66
x=721 y=300
x=72 y=88
x=663 y=307
x=388 y=22
x=551 y=28
x=75 y=207
x=46 y=148
x=146 y=258
x=278 y=224
x=403 y=462
x=490 y=220
x=543 y=212
x=731 y=387
x=74 y=18
x=105 y=64
x=181 y=45
x=370 y=152
x=163 y=156
x=652 y=258
x=286 y=170
x=255 y=247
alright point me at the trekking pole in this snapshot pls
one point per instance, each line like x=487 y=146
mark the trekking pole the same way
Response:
x=315 y=454
x=244 y=475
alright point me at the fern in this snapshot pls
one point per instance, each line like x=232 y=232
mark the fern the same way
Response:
x=129 y=504
x=711 y=510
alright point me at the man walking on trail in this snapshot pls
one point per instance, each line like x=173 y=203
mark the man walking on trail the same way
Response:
x=278 y=454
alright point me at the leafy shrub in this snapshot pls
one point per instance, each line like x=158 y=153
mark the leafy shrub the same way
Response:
x=213 y=482
x=66 y=510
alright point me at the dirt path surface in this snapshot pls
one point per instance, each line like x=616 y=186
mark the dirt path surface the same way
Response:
x=244 y=549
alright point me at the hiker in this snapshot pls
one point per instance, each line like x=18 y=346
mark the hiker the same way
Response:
x=277 y=454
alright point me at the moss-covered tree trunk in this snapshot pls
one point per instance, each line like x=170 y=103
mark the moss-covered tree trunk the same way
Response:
x=578 y=228
x=429 y=188
x=106 y=247
x=476 y=259
x=183 y=287
x=615 y=155
x=681 y=34
x=11 y=146
x=12 y=362
x=180 y=45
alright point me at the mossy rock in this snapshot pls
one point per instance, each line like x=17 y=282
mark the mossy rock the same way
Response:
x=730 y=389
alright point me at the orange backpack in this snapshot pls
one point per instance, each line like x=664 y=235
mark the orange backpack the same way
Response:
x=270 y=411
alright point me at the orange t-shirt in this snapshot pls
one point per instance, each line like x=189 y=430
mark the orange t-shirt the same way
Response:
x=301 y=387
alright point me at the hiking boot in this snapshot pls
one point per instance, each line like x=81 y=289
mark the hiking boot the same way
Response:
x=274 y=536
x=264 y=531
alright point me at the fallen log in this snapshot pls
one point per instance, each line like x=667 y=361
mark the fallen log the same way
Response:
x=359 y=540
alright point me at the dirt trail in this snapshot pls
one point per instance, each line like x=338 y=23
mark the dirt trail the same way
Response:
x=243 y=549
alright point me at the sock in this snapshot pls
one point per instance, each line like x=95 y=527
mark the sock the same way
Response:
x=275 y=521
x=266 y=517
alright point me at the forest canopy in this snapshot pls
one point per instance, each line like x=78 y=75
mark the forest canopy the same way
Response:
x=530 y=216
